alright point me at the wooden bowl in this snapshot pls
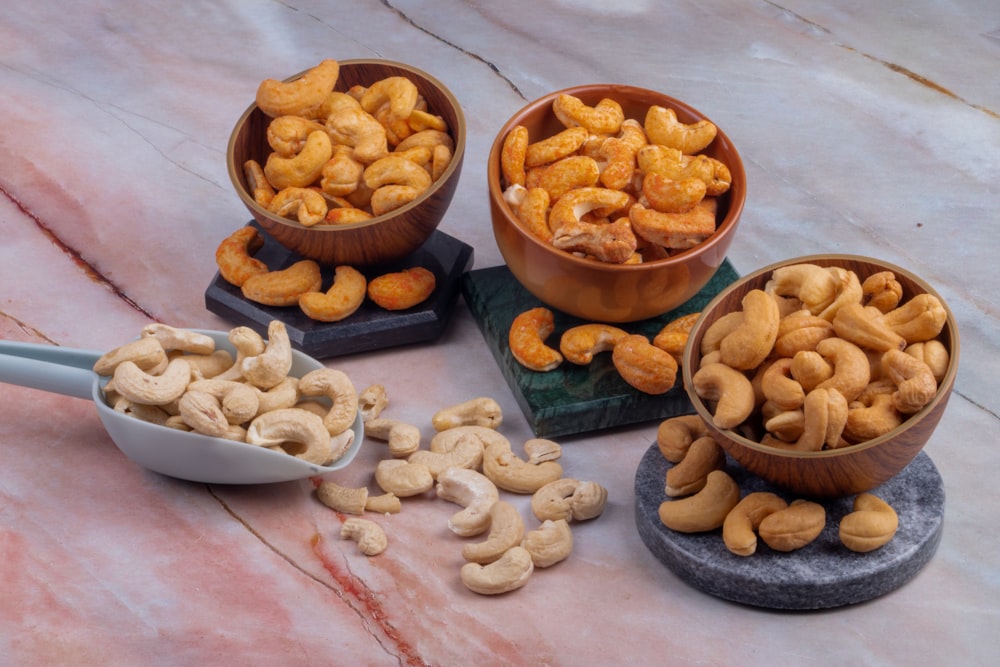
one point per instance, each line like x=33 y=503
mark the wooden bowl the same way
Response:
x=382 y=239
x=836 y=472
x=599 y=291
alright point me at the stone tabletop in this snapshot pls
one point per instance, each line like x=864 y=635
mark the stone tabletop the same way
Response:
x=865 y=128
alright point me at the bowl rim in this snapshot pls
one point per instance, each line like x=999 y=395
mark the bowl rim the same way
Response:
x=458 y=154
x=730 y=220
x=941 y=395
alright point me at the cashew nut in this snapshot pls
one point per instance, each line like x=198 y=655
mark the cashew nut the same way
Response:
x=234 y=255
x=510 y=572
x=514 y=474
x=298 y=432
x=914 y=380
x=809 y=369
x=550 y=543
x=865 y=327
x=573 y=205
x=239 y=402
x=811 y=284
x=579 y=344
x=801 y=331
x=285 y=286
x=402 y=478
x=270 y=367
x=825 y=414
x=337 y=386
x=558 y=178
x=730 y=389
x=474 y=492
x=675 y=435
x=644 y=366
x=404 y=289
x=139 y=386
x=298 y=97
x=690 y=475
x=372 y=401
x=263 y=193
x=794 y=526
x=779 y=386
x=542 y=449
x=673 y=337
x=201 y=411
x=569 y=499
x=746 y=346
x=248 y=343
x=172 y=338
x=506 y=531
x=308 y=206
x=342 y=300
x=387 y=503
x=705 y=510
x=851 y=370
x=872 y=414
x=559 y=145
x=285 y=394
x=304 y=168
x=369 y=535
x=742 y=522
x=678 y=231
x=349 y=500
x=662 y=127
x=482 y=411
x=512 y=153
x=533 y=211
x=403 y=439
x=871 y=524
x=934 y=354
x=206 y=365
x=526 y=340
x=605 y=117
x=881 y=291
x=396 y=98
x=669 y=196
x=145 y=352
x=287 y=135
x=919 y=319
x=459 y=447
x=350 y=125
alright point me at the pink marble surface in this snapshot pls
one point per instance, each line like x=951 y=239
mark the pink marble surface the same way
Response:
x=865 y=129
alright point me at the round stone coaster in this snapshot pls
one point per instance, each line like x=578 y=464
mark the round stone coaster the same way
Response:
x=822 y=575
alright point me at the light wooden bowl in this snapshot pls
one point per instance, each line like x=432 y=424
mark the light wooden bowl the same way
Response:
x=386 y=238
x=837 y=472
x=599 y=291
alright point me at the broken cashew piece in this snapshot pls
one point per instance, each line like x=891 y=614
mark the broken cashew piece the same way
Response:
x=474 y=492
x=369 y=535
x=403 y=439
x=453 y=448
x=512 y=473
x=506 y=531
x=372 y=401
x=402 y=478
x=550 y=543
x=527 y=337
x=482 y=411
x=509 y=573
x=349 y=500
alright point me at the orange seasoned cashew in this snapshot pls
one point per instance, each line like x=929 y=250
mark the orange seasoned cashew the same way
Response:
x=613 y=242
x=284 y=287
x=343 y=298
x=298 y=97
x=303 y=168
x=257 y=183
x=233 y=256
x=533 y=212
x=393 y=99
x=579 y=344
x=430 y=138
x=643 y=365
x=287 y=135
x=619 y=155
x=662 y=127
x=345 y=215
x=556 y=147
x=350 y=125
x=527 y=337
x=341 y=174
x=512 y=153
x=402 y=289
x=305 y=204
x=605 y=117
x=561 y=176
x=673 y=337
x=669 y=196
x=675 y=230
x=396 y=170
x=573 y=205
x=421 y=119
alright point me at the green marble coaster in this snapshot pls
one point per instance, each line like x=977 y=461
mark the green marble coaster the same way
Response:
x=573 y=399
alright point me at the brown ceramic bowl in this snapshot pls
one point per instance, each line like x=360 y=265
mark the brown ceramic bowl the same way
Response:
x=382 y=239
x=594 y=290
x=837 y=472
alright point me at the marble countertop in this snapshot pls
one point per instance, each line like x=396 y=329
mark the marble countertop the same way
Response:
x=866 y=128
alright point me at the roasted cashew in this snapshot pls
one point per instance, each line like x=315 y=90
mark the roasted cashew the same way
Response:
x=401 y=290
x=233 y=256
x=350 y=125
x=872 y=416
x=742 y=522
x=579 y=344
x=780 y=387
x=270 y=367
x=510 y=572
x=430 y=138
x=919 y=319
x=526 y=340
x=284 y=287
x=669 y=196
x=675 y=435
x=403 y=478
x=706 y=510
x=569 y=499
x=202 y=413
x=393 y=98
x=934 y=354
x=809 y=369
x=793 y=527
x=337 y=386
x=403 y=439
x=512 y=154
x=618 y=155
x=731 y=391
x=239 y=402
x=561 y=176
x=533 y=212
x=395 y=170
x=559 y=145
x=662 y=127
x=865 y=327
x=871 y=524
x=691 y=473
x=573 y=205
x=612 y=242
x=299 y=432
x=257 y=184
x=145 y=352
x=748 y=345
x=824 y=417
x=387 y=503
x=550 y=543
x=605 y=117
x=811 y=284
x=421 y=119
x=644 y=366
x=342 y=174
x=342 y=300
x=459 y=447
x=914 y=380
x=302 y=169
x=369 y=535
x=349 y=500
x=506 y=531
x=881 y=291
x=298 y=97
x=138 y=386
x=847 y=291
x=287 y=135
x=481 y=411
x=306 y=205
x=511 y=473
x=474 y=492
x=851 y=370
x=678 y=231
x=801 y=331
x=718 y=330
x=372 y=401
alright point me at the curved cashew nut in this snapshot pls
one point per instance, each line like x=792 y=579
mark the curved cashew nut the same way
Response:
x=145 y=352
x=349 y=500
x=514 y=474
x=569 y=499
x=506 y=531
x=342 y=174
x=612 y=242
x=372 y=401
x=248 y=343
x=239 y=402
x=809 y=369
x=851 y=369
x=675 y=435
x=233 y=256
x=559 y=145
x=201 y=411
x=512 y=154
x=824 y=417
x=799 y=331
x=690 y=475
x=881 y=291
x=669 y=196
x=396 y=170
x=872 y=417
x=914 y=380
x=299 y=432
x=350 y=125
x=731 y=389
x=673 y=337
x=298 y=97
x=526 y=340
x=618 y=155
x=811 y=284
x=302 y=169
x=308 y=206
x=270 y=367
x=207 y=365
x=678 y=231
x=573 y=205
x=453 y=448
x=257 y=183
x=934 y=354
x=369 y=535
x=865 y=327
x=644 y=366
x=285 y=394
x=780 y=387
x=397 y=95
x=287 y=135
x=705 y=510
x=605 y=117
x=919 y=319
x=561 y=176
x=871 y=524
x=532 y=210
x=481 y=411
x=337 y=386
x=403 y=439
x=794 y=526
x=847 y=291
x=138 y=386
x=404 y=289
x=509 y=573
x=662 y=127
x=749 y=344
x=718 y=330
x=474 y=492
x=402 y=478
x=742 y=522
x=550 y=543
x=430 y=138
x=284 y=287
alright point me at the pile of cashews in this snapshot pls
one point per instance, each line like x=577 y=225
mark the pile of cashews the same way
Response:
x=178 y=379
x=825 y=359
x=613 y=188
x=342 y=157
x=702 y=497
x=468 y=462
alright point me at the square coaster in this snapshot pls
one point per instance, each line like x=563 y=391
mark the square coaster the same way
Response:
x=574 y=399
x=370 y=327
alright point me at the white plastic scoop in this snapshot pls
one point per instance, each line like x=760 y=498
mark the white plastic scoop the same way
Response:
x=185 y=455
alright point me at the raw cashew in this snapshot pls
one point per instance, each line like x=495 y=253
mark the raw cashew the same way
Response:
x=206 y=365
x=526 y=340
x=746 y=346
x=298 y=432
x=579 y=344
x=271 y=366
x=506 y=531
x=239 y=402
x=718 y=330
x=139 y=386
x=349 y=500
x=914 y=380
x=369 y=535
x=387 y=503
x=248 y=343
x=452 y=448
x=871 y=524
x=811 y=284
x=403 y=439
x=482 y=411
x=742 y=522
x=847 y=291
x=337 y=386
x=793 y=527
x=201 y=411
x=172 y=338
x=511 y=473
x=690 y=475
x=146 y=352
x=705 y=510
x=569 y=499
x=474 y=492
x=550 y=543
x=509 y=573
x=372 y=401
x=809 y=369
x=403 y=478
x=675 y=435
x=542 y=449
x=730 y=389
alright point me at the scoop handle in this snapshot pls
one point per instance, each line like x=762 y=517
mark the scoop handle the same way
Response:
x=51 y=368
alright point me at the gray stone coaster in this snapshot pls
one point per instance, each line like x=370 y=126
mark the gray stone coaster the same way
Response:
x=822 y=575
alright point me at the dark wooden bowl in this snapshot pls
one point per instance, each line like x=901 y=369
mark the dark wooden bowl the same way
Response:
x=837 y=472
x=386 y=238
x=600 y=291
